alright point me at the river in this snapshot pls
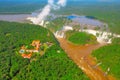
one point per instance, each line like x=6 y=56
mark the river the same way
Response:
x=81 y=55
x=14 y=17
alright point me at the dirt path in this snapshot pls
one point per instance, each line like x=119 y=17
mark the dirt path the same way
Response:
x=81 y=56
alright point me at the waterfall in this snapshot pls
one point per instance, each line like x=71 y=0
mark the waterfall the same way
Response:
x=59 y=34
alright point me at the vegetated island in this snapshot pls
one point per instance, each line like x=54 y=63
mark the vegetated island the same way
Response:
x=80 y=38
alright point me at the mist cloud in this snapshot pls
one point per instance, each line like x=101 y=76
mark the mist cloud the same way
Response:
x=47 y=9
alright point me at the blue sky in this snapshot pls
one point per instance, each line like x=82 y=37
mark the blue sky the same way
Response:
x=93 y=0
x=67 y=0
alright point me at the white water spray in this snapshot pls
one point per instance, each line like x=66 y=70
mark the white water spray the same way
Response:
x=102 y=36
x=61 y=3
x=39 y=20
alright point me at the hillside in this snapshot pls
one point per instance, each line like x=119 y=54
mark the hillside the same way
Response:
x=53 y=65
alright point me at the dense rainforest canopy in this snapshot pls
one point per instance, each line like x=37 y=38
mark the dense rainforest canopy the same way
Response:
x=53 y=65
x=109 y=56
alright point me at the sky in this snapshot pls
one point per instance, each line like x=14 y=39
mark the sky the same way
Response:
x=55 y=0
x=68 y=0
x=95 y=0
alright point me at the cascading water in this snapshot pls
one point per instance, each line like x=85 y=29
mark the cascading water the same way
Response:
x=59 y=34
x=102 y=37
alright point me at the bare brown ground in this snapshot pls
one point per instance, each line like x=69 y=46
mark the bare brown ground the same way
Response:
x=81 y=56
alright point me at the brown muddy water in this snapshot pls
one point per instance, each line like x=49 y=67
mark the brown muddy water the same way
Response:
x=81 y=55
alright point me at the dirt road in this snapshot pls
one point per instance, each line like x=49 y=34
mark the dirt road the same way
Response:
x=81 y=56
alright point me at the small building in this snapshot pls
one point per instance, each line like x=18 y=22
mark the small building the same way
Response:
x=36 y=44
x=27 y=55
